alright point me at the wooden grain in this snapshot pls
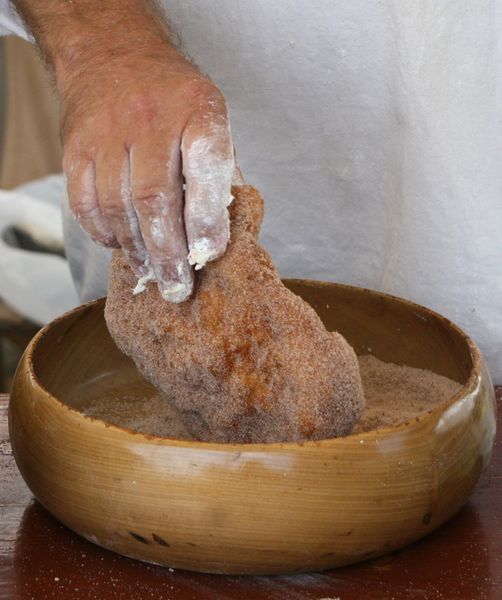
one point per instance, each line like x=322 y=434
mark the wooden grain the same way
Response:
x=276 y=508
x=462 y=560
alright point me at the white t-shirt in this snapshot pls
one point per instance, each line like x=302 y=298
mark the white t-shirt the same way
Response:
x=373 y=128
x=10 y=23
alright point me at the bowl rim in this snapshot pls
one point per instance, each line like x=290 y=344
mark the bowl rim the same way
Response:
x=466 y=389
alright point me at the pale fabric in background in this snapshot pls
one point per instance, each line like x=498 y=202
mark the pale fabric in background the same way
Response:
x=10 y=21
x=37 y=284
x=30 y=146
x=374 y=130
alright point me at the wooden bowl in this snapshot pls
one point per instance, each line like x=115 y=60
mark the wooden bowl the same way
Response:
x=255 y=508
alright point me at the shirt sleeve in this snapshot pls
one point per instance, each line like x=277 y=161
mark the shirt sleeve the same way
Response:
x=10 y=21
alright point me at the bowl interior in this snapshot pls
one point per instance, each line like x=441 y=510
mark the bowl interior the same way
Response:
x=75 y=356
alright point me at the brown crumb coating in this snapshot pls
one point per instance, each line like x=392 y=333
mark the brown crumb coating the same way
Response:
x=244 y=359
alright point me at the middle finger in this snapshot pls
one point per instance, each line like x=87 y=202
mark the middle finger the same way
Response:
x=157 y=196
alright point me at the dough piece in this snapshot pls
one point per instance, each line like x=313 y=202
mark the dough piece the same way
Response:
x=244 y=359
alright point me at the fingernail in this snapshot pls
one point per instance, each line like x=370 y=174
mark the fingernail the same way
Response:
x=175 y=291
x=201 y=252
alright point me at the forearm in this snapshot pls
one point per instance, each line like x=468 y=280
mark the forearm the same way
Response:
x=74 y=35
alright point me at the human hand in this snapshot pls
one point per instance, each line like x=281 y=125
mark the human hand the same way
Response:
x=139 y=125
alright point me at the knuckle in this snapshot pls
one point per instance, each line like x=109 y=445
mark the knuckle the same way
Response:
x=208 y=150
x=80 y=142
x=209 y=221
x=207 y=159
x=150 y=197
x=157 y=256
x=133 y=248
x=206 y=90
x=144 y=107
x=112 y=206
x=84 y=209
x=107 y=240
x=205 y=96
x=93 y=223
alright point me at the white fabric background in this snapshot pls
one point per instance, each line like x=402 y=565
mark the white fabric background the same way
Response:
x=38 y=285
x=374 y=130
x=10 y=23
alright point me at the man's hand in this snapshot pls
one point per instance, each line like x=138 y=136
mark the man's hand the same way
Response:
x=134 y=129
x=140 y=123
